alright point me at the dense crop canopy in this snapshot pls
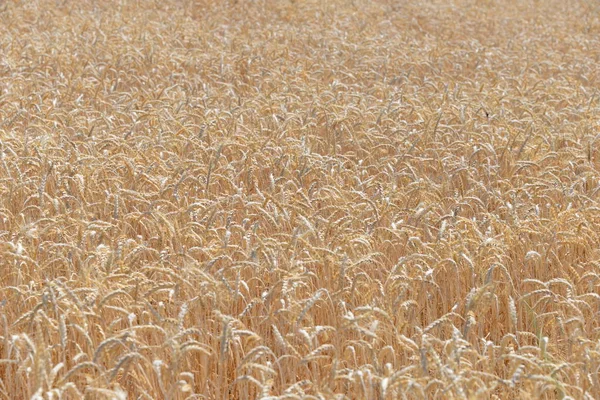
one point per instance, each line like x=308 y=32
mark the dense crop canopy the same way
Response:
x=299 y=199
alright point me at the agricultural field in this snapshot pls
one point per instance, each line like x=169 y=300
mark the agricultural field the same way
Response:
x=279 y=199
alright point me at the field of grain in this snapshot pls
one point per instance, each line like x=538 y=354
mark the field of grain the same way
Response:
x=342 y=199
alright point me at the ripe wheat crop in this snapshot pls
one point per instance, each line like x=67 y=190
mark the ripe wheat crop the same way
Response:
x=279 y=199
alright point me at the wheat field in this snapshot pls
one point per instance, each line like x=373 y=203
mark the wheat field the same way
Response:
x=278 y=199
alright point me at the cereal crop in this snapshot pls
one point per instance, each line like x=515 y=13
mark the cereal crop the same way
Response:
x=299 y=199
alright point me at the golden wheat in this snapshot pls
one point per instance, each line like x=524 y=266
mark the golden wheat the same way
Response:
x=287 y=199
